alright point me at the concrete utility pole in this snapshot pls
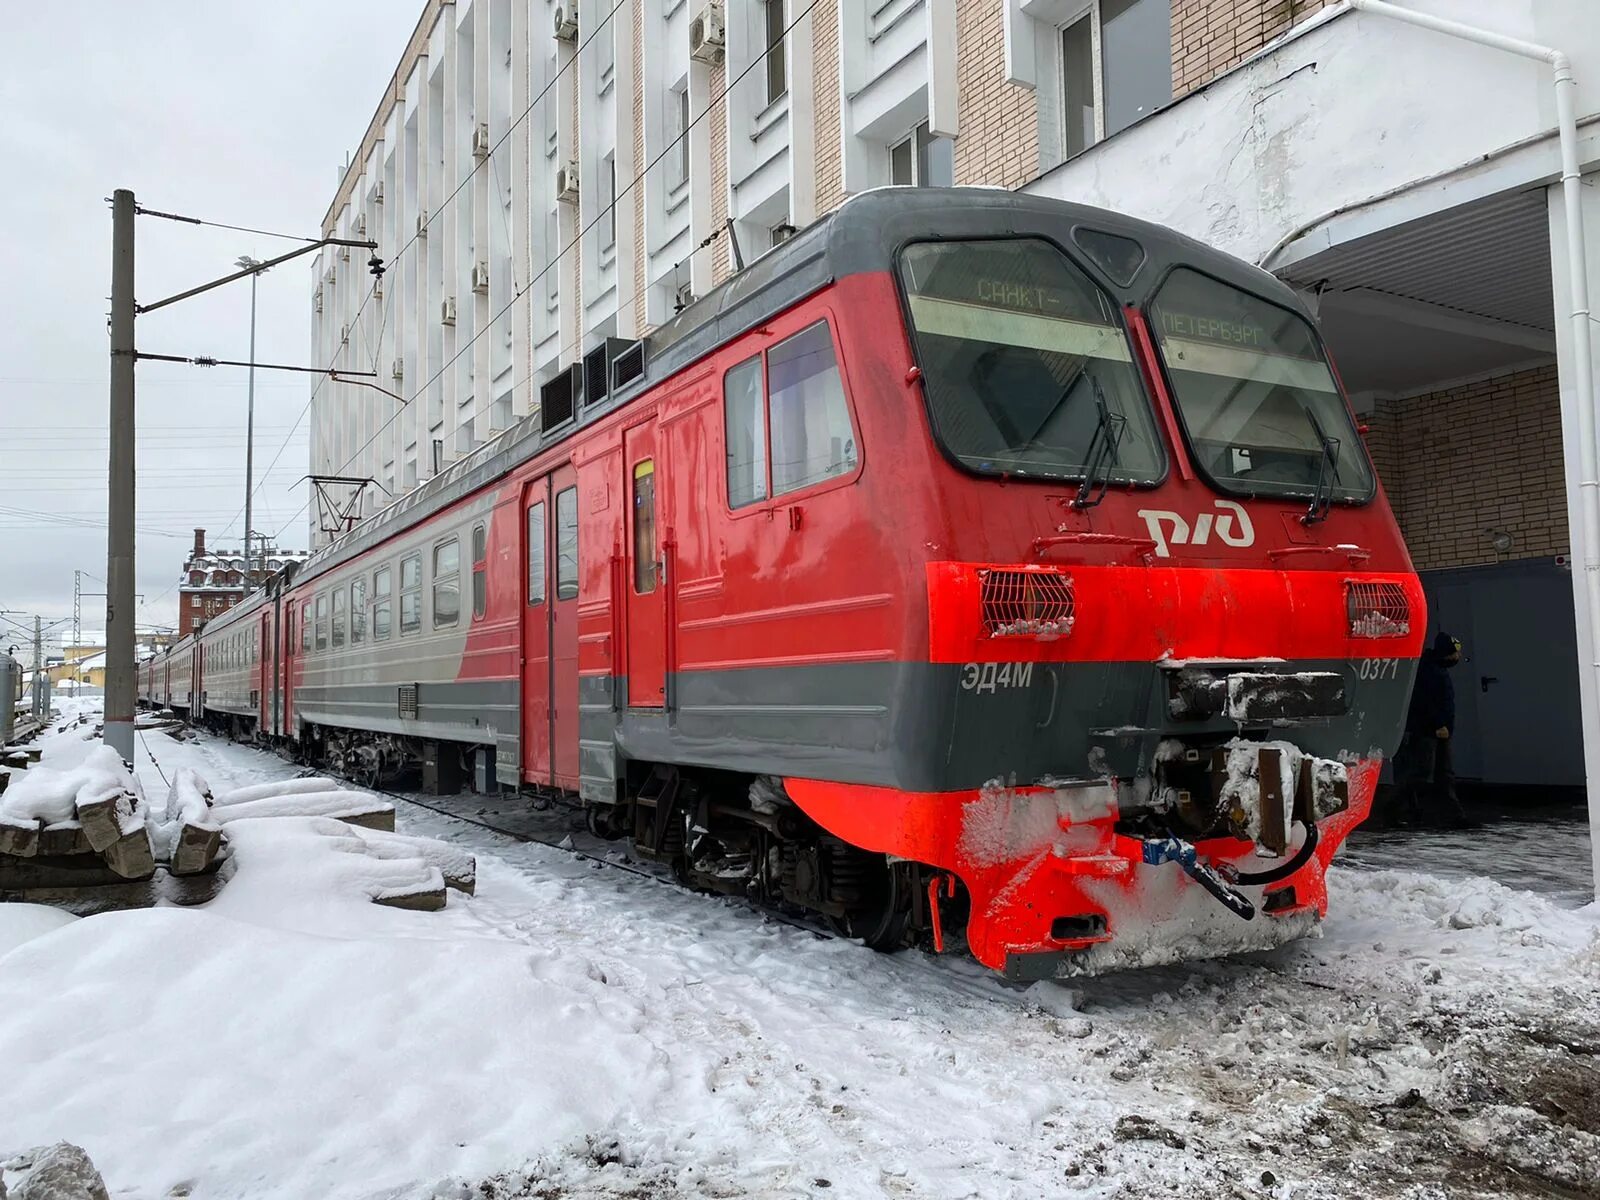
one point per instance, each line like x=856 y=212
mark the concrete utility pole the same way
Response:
x=250 y=264
x=119 y=700
x=38 y=670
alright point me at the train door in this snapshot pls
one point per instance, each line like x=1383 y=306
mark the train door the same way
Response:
x=537 y=529
x=263 y=671
x=644 y=586
x=564 y=629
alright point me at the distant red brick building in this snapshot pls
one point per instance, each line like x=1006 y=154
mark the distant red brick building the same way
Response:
x=215 y=580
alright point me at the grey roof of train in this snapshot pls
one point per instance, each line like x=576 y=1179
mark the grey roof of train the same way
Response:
x=862 y=235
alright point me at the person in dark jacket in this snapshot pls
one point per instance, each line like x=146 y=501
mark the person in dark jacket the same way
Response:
x=1430 y=726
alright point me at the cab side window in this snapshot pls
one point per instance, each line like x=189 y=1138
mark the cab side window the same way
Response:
x=358 y=611
x=322 y=621
x=786 y=425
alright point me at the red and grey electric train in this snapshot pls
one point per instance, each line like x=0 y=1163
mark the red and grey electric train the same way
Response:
x=971 y=562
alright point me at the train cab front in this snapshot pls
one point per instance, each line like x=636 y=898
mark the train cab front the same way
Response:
x=1173 y=628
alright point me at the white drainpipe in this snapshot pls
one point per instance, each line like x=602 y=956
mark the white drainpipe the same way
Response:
x=1582 y=344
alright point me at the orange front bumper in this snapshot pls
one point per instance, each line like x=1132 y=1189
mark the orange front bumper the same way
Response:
x=1056 y=891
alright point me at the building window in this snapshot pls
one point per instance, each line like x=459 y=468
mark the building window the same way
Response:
x=922 y=160
x=382 y=581
x=536 y=554
x=446 y=583
x=777 y=79
x=567 y=544
x=322 y=622
x=608 y=203
x=339 y=599
x=410 y=594
x=1116 y=68
x=358 y=612
x=678 y=158
x=745 y=434
x=480 y=572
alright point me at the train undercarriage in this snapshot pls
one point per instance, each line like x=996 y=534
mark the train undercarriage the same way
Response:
x=1199 y=807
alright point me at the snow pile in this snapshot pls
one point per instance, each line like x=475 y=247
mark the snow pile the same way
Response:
x=23 y=922
x=283 y=787
x=47 y=794
x=306 y=804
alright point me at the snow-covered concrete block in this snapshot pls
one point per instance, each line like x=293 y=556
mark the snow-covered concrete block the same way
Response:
x=131 y=856
x=196 y=848
x=59 y=1172
x=106 y=811
x=283 y=787
x=19 y=836
x=427 y=897
x=63 y=839
x=354 y=808
x=459 y=868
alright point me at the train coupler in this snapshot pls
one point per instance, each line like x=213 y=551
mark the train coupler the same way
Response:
x=1156 y=851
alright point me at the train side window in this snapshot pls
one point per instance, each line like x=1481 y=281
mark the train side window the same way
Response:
x=382 y=585
x=567 y=544
x=745 y=433
x=305 y=627
x=480 y=572
x=339 y=601
x=536 y=554
x=446 y=583
x=644 y=527
x=358 y=612
x=322 y=621
x=812 y=439
x=410 y=594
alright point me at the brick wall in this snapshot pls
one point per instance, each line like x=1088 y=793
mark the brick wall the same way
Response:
x=717 y=114
x=1468 y=461
x=1211 y=36
x=825 y=77
x=641 y=194
x=999 y=142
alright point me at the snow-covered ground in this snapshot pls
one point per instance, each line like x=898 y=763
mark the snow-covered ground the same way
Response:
x=575 y=1031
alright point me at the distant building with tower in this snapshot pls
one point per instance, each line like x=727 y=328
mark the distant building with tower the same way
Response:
x=215 y=580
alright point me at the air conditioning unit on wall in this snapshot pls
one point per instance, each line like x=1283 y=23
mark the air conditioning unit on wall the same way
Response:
x=480 y=278
x=447 y=311
x=480 y=140
x=566 y=21
x=567 y=183
x=708 y=36
x=422 y=224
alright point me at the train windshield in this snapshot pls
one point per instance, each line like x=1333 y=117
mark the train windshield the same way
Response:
x=1026 y=363
x=1256 y=395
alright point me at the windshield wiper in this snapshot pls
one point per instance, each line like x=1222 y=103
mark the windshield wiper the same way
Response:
x=1327 y=465
x=1108 y=430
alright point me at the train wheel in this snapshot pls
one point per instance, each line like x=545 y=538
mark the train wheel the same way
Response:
x=879 y=918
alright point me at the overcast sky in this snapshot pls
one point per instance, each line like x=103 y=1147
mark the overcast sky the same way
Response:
x=228 y=110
